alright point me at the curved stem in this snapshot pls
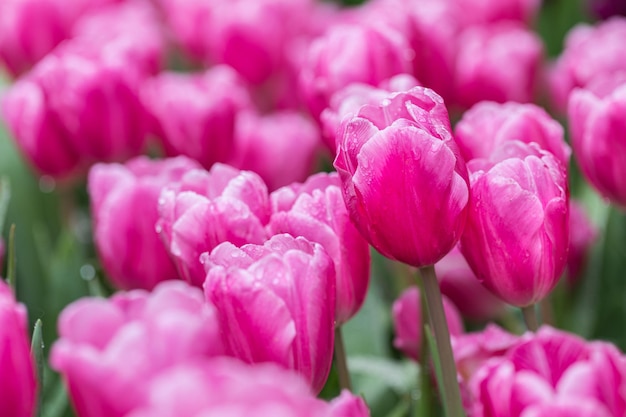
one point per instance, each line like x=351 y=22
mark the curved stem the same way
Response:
x=341 y=361
x=530 y=317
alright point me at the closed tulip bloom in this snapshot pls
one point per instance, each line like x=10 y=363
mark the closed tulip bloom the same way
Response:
x=598 y=132
x=128 y=340
x=124 y=204
x=277 y=302
x=404 y=144
x=227 y=387
x=194 y=114
x=487 y=125
x=498 y=62
x=408 y=322
x=517 y=230
x=17 y=373
x=207 y=208
x=316 y=211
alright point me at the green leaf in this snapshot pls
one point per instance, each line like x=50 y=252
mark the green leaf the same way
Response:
x=5 y=196
x=36 y=350
x=11 y=264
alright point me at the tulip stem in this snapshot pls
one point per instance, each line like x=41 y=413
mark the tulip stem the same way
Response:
x=341 y=361
x=530 y=317
x=439 y=324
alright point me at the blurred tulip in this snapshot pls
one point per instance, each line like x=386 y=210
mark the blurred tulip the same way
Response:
x=17 y=374
x=207 y=208
x=124 y=203
x=277 y=302
x=194 y=115
x=582 y=234
x=604 y=9
x=597 y=129
x=408 y=322
x=227 y=387
x=316 y=210
x=128 y=340
x=481 y=12
x=498 y=62
x=398 y=160
x=287 y=136
x=487 y=125
x=517 y=231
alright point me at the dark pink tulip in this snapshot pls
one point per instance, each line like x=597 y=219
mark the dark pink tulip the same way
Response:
x=487 y=125
x=517 y=230
x=17 y=374
x=582 y=234
x=276 y=303
x=498 y=62
x=349 y=54
x=398 y=160
x=109 y=349
x=207 y=208
x=604 y=9
x=124 y=203
x=194 y=114
x=458 y=282
x=286 y=136
x=408 y=323
x=481 y=12
x=316 y=210
x=225 y=387
x=598 y=129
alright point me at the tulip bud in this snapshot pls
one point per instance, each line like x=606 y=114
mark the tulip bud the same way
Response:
x=517 y=229
x=398 y=160
x=17 y=374
x=277 y=302
x=126 y=341
x=207 y=208
x=124 y=203
x=408 y=322
x=316 y=211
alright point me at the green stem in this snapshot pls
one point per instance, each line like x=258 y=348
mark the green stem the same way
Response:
x=439 y=324
x=423 y=383
x=530 y=317
x=341 y=361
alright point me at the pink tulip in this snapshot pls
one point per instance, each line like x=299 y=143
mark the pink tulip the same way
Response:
x=287 y=136
x=408 y=322
x=481 y=12
x=109 y=349
x=17 y=374
x=458 y=282
x=230 y=388
x=517 y=230
x=398 y=160
x=582 y=234
x=316 y=210
x=498 y=62
x=124 y=203
x=487 y=125
x=277 y=302
x=208 y=208
x=597 y=128
x=349 y=54
x=194 y=115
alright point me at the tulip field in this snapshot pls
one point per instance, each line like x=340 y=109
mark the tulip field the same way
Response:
x=312 y=208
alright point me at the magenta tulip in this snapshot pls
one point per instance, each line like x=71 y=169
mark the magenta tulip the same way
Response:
x=128 y=340
x=316 y=210
x=582 y=234
x=208 y=208
x=598 y=129
x=480 y=12
x=194 y=115
x=517 y=230
x=408 y=322
x=398 y=160
x=277 y=302
x=124 y=203
x=17 y=374
x=487 y=125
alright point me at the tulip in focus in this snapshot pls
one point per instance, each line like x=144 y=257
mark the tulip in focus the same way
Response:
x=517 y=231
x=276 y=303
x=124 y=203
x=398 y=160
x=487 y=125
x=598 y=132
x=207 y=208
x=17 y=374
x=109 y=350
x=316 y=211
x=582 y=234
